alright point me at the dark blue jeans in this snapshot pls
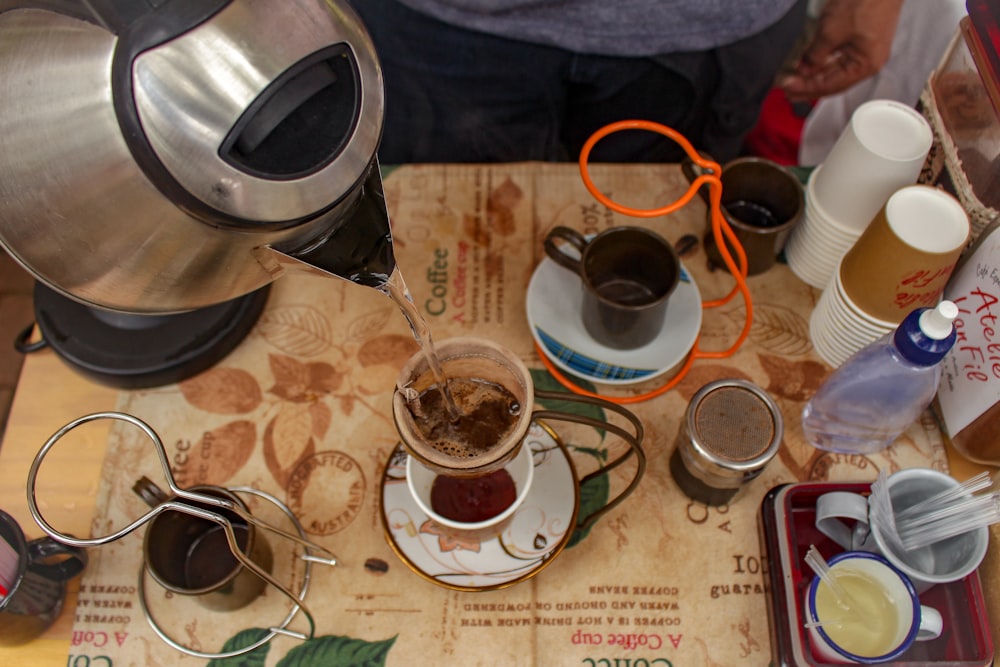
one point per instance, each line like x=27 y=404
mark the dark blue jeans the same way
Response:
x=454 y=95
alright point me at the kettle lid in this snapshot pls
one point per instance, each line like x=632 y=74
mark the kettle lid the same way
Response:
x=248 y=113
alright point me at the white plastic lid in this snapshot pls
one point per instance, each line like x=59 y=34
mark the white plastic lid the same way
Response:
x=936 y=323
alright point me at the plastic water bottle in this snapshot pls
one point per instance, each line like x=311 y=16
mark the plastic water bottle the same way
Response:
x=877 y=393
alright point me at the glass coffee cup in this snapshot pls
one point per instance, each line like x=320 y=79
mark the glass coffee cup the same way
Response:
x=495 y=396
x=491 y=387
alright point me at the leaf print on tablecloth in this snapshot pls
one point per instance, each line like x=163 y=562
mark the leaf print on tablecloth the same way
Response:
x=254 y=658
x=794 y=380
x=290 y=438
x=334 y=651
x=392 y=349
x=223 y=391
x=500 y=207
x=776 y=329
x=218 y=455
x=299 y=330
x=302 y=382
x=371 y=324
x=543 y=381
x=702 y=373
x=593 y=497
x=321 y=418
x=595 y=493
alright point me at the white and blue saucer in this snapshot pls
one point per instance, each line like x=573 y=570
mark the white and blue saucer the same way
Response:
x=554 y=303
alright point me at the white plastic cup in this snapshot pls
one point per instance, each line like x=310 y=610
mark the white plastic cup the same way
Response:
x=844 y=517
x=881 y=150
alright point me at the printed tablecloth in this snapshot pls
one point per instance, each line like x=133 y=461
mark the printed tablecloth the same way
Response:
x=301 y=411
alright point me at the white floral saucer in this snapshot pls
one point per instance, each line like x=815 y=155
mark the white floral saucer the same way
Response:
x=532 y=538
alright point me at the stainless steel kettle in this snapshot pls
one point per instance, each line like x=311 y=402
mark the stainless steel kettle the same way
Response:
x=158 y=156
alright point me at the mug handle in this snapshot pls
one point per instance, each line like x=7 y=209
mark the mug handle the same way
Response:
x=692 y=171
x=150 y=493
x=833 y=507
x=570 y=236
x=633 y=439
x=931 y=624
x=45 y=548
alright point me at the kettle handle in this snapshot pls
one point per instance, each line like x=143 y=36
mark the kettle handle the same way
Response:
x=24 y=344
x=74 y=8
x=113 y=15
x=117 y=16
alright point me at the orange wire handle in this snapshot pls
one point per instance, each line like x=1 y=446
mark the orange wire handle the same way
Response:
x=720 y=230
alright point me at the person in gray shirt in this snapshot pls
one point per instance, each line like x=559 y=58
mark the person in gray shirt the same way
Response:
x=511 y=80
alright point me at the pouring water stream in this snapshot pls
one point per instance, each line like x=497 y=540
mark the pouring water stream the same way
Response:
x=395 y=288
x=361 y=252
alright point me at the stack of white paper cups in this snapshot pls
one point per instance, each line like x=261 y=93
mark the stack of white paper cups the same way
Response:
x=839 y=327
x=882 y=150
x=815 y=247
x=901 y=262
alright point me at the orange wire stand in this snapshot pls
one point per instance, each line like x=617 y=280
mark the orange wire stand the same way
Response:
x=720 y=229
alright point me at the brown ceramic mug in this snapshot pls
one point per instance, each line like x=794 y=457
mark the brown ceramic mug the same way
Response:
x=628 y=275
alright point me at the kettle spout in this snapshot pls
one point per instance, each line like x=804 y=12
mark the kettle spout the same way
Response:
x=359 y=248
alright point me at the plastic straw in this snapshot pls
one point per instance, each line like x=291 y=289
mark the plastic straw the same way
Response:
x=819 y=565
x=969 y=486
x=958 y=509
x=881 y=505
x=973 y=515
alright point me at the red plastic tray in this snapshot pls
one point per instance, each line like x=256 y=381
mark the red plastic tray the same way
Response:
x=787 y=528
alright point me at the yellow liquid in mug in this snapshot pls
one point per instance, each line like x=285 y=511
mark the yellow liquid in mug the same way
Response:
x=873 y=632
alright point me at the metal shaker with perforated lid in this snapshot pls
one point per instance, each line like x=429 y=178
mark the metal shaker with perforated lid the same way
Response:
x=731 y=430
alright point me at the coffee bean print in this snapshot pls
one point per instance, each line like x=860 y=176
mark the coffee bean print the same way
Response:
x=390 y=349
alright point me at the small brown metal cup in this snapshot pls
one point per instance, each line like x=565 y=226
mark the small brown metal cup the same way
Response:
x=762 y=202
x=628 y=275
x=38 y=588
x=189 y=555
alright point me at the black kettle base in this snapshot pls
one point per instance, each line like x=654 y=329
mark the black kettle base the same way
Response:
x=141 y=351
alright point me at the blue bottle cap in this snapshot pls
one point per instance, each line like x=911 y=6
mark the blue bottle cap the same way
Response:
x=927 y=334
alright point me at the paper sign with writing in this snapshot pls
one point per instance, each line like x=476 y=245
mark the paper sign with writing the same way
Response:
x=970 y=377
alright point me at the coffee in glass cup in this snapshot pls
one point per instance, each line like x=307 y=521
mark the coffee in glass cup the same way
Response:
x=484 y=361
x=493 y=392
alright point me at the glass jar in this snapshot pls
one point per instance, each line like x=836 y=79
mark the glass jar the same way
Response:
x=960 y=102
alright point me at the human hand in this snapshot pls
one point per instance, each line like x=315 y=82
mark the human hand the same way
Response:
x=853 y=41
